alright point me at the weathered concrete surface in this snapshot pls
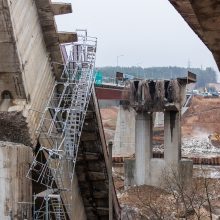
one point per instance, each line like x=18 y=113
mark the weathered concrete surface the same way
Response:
x=37 y=74
x=148 y=97
x=157 y=95
x=150 y=170
x=78 y=209
x=203 y=17
x=30 y=40
x=15 y=188
x=124 y=140
x=159 y=119
x=10 y=68
x=157 y=167
x=46 y=16
x=28 y=43
x=92 y=167
x=25 y=65
x=186 y=171
x=61 y=8
x=172 y=137
x=129 y=172
x=143 y=146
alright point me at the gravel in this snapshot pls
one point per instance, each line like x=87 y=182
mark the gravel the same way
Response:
x=200 y=146
x=195 y=146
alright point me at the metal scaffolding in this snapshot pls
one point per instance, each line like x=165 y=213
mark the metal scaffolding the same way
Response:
x=60 y=127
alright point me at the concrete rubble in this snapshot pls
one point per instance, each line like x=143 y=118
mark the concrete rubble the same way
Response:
x=14 y=128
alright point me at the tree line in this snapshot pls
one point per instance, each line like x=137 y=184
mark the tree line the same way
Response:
x=204 y=76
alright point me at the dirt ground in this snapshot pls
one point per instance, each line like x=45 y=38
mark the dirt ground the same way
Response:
x=153 y=203
x=109 y=119
x=202 y=118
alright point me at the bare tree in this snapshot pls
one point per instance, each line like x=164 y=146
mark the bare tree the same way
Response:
x=154 y=206
x=189 y=198
x=176 y=200
x=173 y=183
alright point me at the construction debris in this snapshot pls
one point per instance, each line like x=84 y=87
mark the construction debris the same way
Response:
x=14 y=128
x=151 y=95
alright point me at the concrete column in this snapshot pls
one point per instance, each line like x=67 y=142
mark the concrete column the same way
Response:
x=172 y=138
x=124 y=140
x=129 y=171
x=143 y=146
x=15 y=188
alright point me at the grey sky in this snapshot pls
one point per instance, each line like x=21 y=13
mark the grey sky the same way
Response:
x=147 y=32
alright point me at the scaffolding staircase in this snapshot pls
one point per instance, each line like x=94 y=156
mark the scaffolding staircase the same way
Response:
x=60 y=129
x=52 y=207
x=58 y=209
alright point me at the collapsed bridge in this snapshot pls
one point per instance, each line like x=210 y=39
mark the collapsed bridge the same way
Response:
x=31 y=64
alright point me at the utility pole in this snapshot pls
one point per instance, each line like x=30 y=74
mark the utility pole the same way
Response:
x=110 y=180
x=117 y=68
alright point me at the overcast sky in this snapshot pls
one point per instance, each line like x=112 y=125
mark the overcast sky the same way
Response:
x=147 y=32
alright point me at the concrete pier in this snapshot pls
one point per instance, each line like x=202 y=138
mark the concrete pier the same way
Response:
x=172 y=137
x=124 y=140
x=151 y=97
x=143 y=146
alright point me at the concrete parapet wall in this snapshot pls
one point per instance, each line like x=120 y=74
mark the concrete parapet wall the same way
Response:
x=15 y=188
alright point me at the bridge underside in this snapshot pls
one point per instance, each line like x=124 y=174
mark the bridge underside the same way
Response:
x=204 y=18
x=92 y=166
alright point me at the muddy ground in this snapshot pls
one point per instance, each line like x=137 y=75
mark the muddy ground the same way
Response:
x=201 y=120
